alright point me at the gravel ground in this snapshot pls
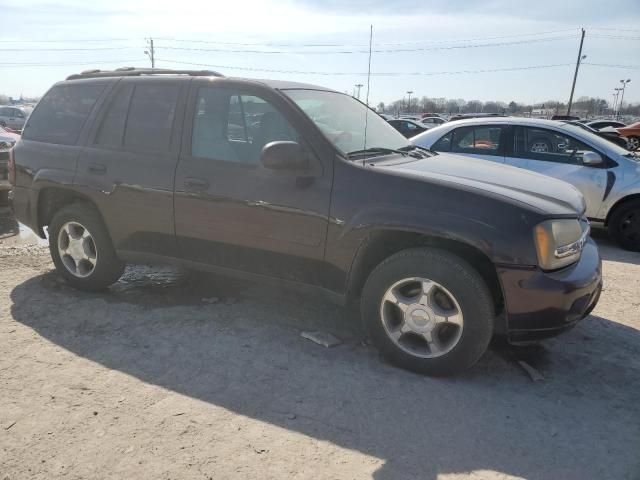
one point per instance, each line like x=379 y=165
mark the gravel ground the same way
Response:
x=176 y=376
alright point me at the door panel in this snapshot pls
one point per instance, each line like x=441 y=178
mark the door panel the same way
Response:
x=128 y=167
x=551 y=153
x=242 y=215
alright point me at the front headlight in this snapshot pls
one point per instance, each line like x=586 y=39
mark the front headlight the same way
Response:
x=559 y=242
x=6 y=144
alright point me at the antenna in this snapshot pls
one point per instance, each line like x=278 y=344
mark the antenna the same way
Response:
x=366 y=115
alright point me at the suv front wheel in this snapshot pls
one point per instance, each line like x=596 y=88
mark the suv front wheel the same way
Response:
x=429 y=311
x=81 y=248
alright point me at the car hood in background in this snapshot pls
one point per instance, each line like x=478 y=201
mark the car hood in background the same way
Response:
x=545 y=194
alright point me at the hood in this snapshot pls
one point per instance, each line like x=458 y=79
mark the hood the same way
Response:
x=545 y=194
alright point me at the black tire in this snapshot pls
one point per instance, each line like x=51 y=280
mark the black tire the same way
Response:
x=108 y=267
x=460 y=279
x=633 y=143
x=624 y=225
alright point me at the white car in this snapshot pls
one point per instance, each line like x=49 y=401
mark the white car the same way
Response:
x=431 y=122
x=607 y=175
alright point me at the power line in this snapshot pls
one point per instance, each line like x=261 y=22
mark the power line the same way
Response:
x=76 y=40
x=271 y=44
x=78 y=49
x=64 y=64
x=396 y=50
x=609 y=65
x=313 y=45
x=377 y=74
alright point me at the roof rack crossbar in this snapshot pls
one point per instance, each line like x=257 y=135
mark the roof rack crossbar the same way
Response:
x=136 y=72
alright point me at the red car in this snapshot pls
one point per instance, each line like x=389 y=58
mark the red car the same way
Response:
x=632 y=134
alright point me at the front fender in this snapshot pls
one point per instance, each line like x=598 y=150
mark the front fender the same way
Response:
x=499 y=240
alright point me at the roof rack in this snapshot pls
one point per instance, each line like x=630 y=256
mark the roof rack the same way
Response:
x=136 y=72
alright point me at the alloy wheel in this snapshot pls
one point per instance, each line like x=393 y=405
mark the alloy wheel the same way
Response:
x=421 y=317
x=77 y=249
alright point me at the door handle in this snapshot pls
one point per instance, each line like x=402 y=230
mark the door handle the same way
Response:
x=195 y=184
x=97 y=169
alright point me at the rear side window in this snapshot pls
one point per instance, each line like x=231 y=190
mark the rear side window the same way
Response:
x=62 y=113
x=483 y=140
x=150 y=120
x=111 y=129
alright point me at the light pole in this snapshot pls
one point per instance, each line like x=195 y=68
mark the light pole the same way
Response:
x=409 y=92
x=615 y=100
x=624 y=86
x=358 y=86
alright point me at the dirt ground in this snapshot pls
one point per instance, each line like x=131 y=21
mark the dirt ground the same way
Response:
x=158 y=379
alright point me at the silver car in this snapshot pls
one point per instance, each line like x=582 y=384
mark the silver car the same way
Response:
x=607 y=175
x=14 y=117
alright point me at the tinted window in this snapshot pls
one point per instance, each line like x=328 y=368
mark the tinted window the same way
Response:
x=483 y=140
x=444 y=144
x=548 y=145
x=233 y=127
x=111 y=129
x=150 y=119
x=62 y=113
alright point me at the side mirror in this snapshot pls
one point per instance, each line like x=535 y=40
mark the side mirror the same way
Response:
x=284 y=156
x=591 y=158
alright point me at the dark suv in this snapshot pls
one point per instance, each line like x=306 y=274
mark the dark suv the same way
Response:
x=279 y=181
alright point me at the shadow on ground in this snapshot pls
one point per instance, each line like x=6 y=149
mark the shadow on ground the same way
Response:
x=240 y=349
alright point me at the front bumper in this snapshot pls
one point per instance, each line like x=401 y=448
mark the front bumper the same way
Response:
x=542 y=304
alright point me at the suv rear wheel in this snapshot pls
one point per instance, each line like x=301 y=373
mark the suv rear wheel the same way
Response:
x=81 y=248
x=428 y=311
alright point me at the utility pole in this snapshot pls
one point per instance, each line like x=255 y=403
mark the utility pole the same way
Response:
x=624 y=86
x=575 y=75
x=359 y=86
x=151 y=53
x=409 y=92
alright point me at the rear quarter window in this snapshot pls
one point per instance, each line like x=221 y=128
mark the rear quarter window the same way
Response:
x=62 y=112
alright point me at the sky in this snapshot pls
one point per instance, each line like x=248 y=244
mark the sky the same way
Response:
x=487 y=50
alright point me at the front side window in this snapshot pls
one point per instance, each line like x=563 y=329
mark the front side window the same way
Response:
x=232 y=127
x=484 y=140
x=342 y=119
x=61 y=113
x=150 y=119
x=548 y=145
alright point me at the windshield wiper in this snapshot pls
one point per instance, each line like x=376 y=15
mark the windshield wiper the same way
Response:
x=376 y=151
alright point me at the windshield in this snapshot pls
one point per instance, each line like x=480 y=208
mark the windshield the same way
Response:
x=597 y=140
x=342 y=119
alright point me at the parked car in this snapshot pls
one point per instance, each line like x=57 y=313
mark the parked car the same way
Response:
x=14 y=117
x=413 y=118
x=139 y=166
x=607 y=133
x=607 y=175
x=7 y=140
x=598 y=124
x=568 y=117
x=426 y=114
x=466 y=116
x=408 y=128
x=431 y=122
x=632 y=134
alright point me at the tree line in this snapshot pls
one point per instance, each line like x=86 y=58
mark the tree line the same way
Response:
x=589 y=106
